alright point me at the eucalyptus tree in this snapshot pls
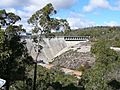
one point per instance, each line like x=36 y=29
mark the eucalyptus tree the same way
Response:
x=42 y=21
x=42 y=25
x=13 y=53
x=8 y=18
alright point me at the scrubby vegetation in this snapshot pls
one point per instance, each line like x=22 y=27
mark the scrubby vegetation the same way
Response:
x=47 y=80
x=105 y=71
x=104 y=74
x=16 y=66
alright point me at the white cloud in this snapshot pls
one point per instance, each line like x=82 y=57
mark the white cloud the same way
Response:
x=78 y=21
x=63 y=3
x=13 y=3
x=36 y=3
x=11 y=10
x=93 y=4
x=111 y=23
x=25 y=8
x=7 y=3
x=24 y=17
x=58 y=4
x=20 y=13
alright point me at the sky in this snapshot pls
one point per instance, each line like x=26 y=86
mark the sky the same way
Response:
x=78 y=13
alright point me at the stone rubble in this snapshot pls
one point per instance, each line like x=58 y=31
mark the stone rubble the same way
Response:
x=75 y=57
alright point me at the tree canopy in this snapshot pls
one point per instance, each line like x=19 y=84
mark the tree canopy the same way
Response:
x=13 y=52
x=102 y=75
x=42 y=21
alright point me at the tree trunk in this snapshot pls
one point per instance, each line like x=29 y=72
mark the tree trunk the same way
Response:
x=7 y=85
x=35 y=77
x=35 y=73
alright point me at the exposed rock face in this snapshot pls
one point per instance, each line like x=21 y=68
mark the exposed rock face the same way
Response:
x=75 y=57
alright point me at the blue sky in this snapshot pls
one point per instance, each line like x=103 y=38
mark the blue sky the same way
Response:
x=79 y=13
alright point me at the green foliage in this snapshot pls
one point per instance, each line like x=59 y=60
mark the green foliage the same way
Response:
x=102 y=74
x=1 y=38
x=43 y=24
x=81 y=68
x=103 y=53
x=13 y=52
x=48 y=78
x=41 y=18
x=99 y=46
x=96 y=33
x=93 y=79
x=8 y=18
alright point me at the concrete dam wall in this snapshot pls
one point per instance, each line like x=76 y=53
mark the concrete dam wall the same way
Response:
x=51 y=47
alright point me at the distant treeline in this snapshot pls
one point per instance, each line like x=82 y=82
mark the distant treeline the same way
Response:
x=91 y=31
x=95 y=33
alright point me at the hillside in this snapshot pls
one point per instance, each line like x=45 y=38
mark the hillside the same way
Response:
x=104 y=73
x=111 y=34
